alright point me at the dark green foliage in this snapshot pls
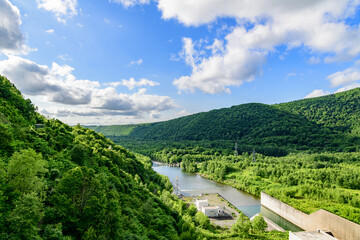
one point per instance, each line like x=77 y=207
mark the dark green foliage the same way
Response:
x=259 y=224
x=26 y=216
x=307 y=151
x=62 y=182
x=329 y=123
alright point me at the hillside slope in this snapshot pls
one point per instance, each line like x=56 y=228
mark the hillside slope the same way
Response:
x=329 y=123
x=61 y=182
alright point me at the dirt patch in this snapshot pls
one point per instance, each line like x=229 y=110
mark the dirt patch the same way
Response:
x=214 y=199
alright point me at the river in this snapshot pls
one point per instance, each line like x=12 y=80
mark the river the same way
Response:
x=190 y=184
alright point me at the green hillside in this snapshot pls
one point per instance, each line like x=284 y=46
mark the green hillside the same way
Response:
x=329 y=123
x=340 y=110
x=62 y=182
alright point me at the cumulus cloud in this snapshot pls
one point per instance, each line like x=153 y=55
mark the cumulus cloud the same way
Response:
x=317 y=93
x=348 y=87
x=230 y=65
x=61 y=8
x=50 y=31
x=261 y=27
x=349 y=75
x=11 y=38
x=57 y=84
x=131 y=3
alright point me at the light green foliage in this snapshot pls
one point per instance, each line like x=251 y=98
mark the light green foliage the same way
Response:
x=202 y=220
x=192 y=210
x=308 y=182
x=25 y=171
x=258 y=223
x=26 y=216
x=53 y=232
x=242 y=225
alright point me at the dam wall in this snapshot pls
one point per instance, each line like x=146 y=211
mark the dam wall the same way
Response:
x=341 y=228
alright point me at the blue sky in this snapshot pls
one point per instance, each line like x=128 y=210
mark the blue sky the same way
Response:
x=131 y=61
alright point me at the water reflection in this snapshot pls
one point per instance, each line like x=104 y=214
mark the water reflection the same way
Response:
x=193 y=185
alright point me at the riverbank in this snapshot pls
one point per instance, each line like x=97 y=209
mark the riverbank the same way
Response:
x=192 y=185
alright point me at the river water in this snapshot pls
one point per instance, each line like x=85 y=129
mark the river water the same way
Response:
x=190 y=184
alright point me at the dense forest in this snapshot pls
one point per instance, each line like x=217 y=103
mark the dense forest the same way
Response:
x=62 y=182
x=307 y=151
x=329 y=123
x=307 y=182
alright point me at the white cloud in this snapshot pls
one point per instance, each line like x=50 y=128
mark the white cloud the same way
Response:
x=132 y=83
x=231 y=65
x=80 y=25
x=348 y=87
x=182 y=113
x=58 y=85
x=317 y=93
x=262 y=26
x=50 y=31
x=131 y=3
x=136 y=62
x=57 y=82
x=61 y=8
x=343 y=77
x=11 y=38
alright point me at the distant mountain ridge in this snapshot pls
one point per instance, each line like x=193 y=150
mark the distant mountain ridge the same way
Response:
x=330 y=122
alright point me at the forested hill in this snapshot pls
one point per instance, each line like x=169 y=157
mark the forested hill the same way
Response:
x=340 y=110
x=323 y=123
x=62 y=182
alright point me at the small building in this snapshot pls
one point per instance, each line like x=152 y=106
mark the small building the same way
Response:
x=213 y=211
x=201 y=203
x=311 y=235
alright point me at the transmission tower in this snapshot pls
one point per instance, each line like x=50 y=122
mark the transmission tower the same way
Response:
x=176 y=185
x=236 y=153
x=253 y=155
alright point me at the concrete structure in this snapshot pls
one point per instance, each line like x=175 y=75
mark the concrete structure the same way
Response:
x=341 y=228
x=213 y=211
x=201 y=203
x=210 y=211
x=313 y=235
